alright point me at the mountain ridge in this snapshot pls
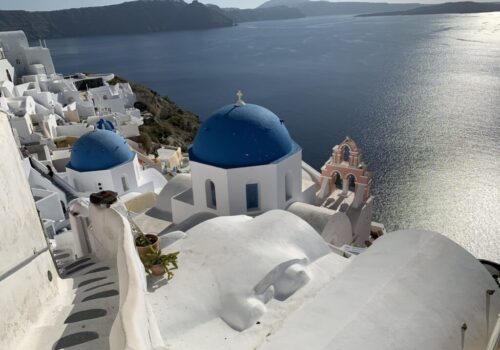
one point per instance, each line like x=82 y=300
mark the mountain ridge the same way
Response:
x=132 y=17
x=445 y=8
x=327 y=8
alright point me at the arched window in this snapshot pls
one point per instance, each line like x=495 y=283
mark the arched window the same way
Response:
x=352 y=182
x=346 y=152
x=252 y=191
x=210 y=194
x=338 y=180
x=288 y=187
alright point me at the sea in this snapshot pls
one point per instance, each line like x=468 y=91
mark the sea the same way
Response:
x=419 y=94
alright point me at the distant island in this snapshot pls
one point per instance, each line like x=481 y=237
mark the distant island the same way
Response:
x=327 y=8
x=449 y=7
x=144 y=16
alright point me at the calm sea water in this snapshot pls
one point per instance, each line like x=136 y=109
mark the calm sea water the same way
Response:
x=420 y=95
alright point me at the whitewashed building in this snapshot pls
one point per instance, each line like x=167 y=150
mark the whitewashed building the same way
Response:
x=6 y=69
x=243 y=161
x=102 y=160
x=25 y=59
x=28 y=72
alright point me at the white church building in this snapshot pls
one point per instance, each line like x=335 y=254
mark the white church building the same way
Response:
x=102 y=160
x=243 y=161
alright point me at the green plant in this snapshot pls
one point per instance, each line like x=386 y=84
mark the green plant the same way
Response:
x=167 y=261
x=142 y=240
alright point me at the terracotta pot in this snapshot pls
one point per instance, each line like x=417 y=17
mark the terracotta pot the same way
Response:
x=143 y=251
x=158 y=270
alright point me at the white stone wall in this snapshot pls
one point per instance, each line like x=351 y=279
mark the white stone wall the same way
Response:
x=49 y=205
x=111 y=179
x=76 y=130
x=14 y=44
x=230 y=185
x=200 y=173
x=135 y=326
x=40 y=55
x=24 y=128
x=24 y=288
x=5 y=67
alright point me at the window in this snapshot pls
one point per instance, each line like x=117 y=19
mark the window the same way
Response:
x=338 y=180
x=352 y=182
x=347 y=153
x=8 y=75
x=252 y=196
x=124 y=184
x=288 y=187
x=18 y=61
x=210 y=194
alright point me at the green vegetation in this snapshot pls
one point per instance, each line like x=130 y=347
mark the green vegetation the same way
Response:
x=157 y=263
x=165 y=123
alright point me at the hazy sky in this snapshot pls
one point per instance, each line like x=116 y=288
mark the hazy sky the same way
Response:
x=60 y=4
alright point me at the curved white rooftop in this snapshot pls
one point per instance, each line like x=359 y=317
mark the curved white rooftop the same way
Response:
x=413 y=289
x=238 y=280
x=272 y=283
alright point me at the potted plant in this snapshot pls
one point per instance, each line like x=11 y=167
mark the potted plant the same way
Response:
x=146 y=243
x=158 y=264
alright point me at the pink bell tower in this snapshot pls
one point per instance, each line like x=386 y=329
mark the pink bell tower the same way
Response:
x=345 y=169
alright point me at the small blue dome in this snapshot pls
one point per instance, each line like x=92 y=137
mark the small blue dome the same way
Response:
x=104 y=124
x=240 y=136
x=99 y=150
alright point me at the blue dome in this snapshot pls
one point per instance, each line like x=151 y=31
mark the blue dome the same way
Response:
x=99 y=150
x=240 y=136
x=104 y=124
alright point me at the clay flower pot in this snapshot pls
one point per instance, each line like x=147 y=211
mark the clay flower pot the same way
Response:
x=145 y=250
x=158 y=270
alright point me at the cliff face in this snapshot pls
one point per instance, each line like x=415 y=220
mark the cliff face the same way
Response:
x=126 y=18
x=165 y=123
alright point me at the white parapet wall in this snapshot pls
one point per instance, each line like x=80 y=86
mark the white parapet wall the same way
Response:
x=135 y=327
x=25 y=262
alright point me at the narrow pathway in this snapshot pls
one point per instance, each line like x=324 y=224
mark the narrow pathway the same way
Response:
x=84 y=323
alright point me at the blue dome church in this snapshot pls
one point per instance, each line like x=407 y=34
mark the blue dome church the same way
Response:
x=243 y=161
x=241 y=136
x=102 y=160
x=100 y=149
